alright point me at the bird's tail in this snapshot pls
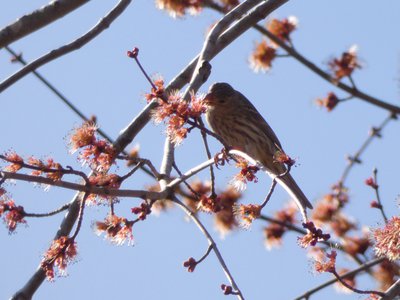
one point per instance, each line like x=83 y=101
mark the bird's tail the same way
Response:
x=288 y=183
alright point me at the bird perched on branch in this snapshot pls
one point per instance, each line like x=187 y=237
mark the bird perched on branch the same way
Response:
x=232 y=116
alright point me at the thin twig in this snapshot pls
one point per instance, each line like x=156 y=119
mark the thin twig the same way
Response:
x=80 y=215
x=376 y=132
x=273 y=184
x=208 y=152
x=101 y=191
x=185 y=182
x=355 y=290
x=131 y=172
x=212 y=244
x=361 y=268
x=52 y=213
x=378 y=197
x=352 y=90
x=313 y=67
x=205 y=254
x=67 y=102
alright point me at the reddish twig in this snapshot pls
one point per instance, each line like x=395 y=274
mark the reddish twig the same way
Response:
x=352 y=90
x=352 y=160
x=273 y=185
x=52 y=213
x=212 y=244
x=355 y=290
x=378 y=197
x=361 y=268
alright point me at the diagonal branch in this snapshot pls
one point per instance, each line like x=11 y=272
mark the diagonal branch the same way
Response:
x=212 y=244
x=291 y=51
x=361 y=268
x=103 y=24
x=37 y=19
x=352 y=160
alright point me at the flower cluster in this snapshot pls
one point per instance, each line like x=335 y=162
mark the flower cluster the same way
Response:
x=349 y=280
x=330 y=205
x=313 y=235
x=117 y=230
x=133 y=156
x=326 y=265
x=262 y=56
x=329 y=102
x=274 y=232
x=199 y=188
x=157 y=91
x=11 y=214
x=178 y=8
x=15 y=160
x=386 y=274
x=45 y=167
x=283 y=158
x=247 y=213
x=283 y=28
x=265 y=52
x=246 y=174
x=371 y=182
x=356 y=245
x=98 y=154
x=106 y=180
x=345 y=65
x=175 y=112
x=387 y=240
x=61 y=252
x=225 y=219
x=142 y=211
x=228 y=4
x=190 y=264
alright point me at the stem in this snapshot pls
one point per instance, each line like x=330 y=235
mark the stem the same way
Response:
x=363 y=267
x=378 y=197
x=212 y=244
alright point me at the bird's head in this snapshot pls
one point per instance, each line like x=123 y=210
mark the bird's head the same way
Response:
x=219 y=94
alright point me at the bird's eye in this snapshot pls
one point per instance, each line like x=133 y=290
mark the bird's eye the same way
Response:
x=222 y=101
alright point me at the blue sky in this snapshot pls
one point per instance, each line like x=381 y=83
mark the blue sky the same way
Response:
x=101 y=80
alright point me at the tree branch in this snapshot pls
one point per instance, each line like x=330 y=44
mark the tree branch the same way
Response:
x=37 y=19
x=363 y=267
x=103 y=24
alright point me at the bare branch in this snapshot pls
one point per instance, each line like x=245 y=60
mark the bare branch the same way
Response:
x=356 y=157
x=37 y=19
x=103 y=24
x=101 y=191
x=378 y=196
x=212 y=244
x=363 y=267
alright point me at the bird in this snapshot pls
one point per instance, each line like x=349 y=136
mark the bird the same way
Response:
x=240 y=126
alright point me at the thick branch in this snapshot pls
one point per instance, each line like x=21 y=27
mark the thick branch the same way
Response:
x=37 y=19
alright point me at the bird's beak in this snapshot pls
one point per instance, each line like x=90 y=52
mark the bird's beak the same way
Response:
x=209 y=99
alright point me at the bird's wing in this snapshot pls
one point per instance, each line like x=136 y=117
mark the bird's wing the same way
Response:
x=252 y=111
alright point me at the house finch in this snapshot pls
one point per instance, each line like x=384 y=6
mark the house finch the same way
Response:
x=241 y=126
